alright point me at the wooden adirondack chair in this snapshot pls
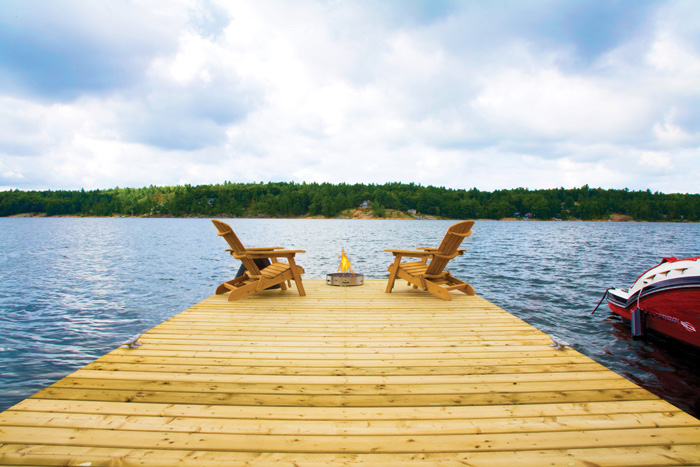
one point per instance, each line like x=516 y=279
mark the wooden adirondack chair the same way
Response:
x=256 y=279
x=429 y=273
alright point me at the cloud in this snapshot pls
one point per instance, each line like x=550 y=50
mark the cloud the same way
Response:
x=457 y=94
x=168 y=114
x=657 y=160
x=670 y=134
x=551 y=105
x=65 y=49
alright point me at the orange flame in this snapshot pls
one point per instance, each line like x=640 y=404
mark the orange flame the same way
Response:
x=345 y=264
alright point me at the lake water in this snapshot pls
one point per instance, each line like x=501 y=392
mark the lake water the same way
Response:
x=72 y=290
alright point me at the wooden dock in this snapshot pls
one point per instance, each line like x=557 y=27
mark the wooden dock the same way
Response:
x=346 y=376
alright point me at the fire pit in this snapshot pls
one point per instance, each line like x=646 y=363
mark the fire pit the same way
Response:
x=344 y=279
x=345 y=275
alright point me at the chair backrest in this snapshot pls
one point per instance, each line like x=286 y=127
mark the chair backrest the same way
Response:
x=237 y=247
x=449 y=245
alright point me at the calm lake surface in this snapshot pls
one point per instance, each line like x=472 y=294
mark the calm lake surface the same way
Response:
x=72 y=290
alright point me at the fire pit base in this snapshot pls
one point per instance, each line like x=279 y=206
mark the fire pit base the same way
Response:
x=344 y=279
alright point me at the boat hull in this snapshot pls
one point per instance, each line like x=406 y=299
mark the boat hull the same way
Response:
x=671 y=307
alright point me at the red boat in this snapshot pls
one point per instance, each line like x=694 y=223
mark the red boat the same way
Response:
x=665 y=299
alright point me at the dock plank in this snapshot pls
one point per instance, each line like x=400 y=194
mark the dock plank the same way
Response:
x=346 y=376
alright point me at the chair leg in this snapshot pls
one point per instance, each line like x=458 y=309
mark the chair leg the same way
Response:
x=438 y=291
x=394 y=270
x=226 y=286
x=457 y=284
x=423 y=284
x=244 y=291
x=296 y=276
x=468 y=289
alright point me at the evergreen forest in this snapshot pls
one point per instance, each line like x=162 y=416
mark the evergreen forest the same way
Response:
x=282 y=199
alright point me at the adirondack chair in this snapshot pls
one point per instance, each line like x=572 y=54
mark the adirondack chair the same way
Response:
x=256 y=279
x=429 y=273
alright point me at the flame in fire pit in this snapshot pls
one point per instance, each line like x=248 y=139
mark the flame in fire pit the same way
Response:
x=345 y=264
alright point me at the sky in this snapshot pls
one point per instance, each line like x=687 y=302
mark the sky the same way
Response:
x=467 y=94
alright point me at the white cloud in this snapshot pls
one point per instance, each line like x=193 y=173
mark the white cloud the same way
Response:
x=191 y=61
x=656 y=160
x=548 y=104
x=459 y=95
x=670 y=134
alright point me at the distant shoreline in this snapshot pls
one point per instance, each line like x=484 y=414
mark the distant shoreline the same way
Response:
x=615 y=218
x=358 y=201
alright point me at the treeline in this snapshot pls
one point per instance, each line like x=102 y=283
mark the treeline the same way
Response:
x=329 y=200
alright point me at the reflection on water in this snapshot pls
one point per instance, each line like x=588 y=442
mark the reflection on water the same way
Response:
x=72 y=290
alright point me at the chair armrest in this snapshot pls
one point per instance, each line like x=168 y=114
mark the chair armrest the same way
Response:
x=435 y=250
x=410 y=253
x=259 y=250
x=463 y=235
x=449 y=257
x=274 y=254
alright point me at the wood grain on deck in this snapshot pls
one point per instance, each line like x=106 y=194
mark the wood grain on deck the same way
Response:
x=346 y=376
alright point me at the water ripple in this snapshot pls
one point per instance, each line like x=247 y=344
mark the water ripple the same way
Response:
x=72 y=290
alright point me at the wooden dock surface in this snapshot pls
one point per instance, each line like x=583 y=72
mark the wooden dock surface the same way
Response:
x=346 y=376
